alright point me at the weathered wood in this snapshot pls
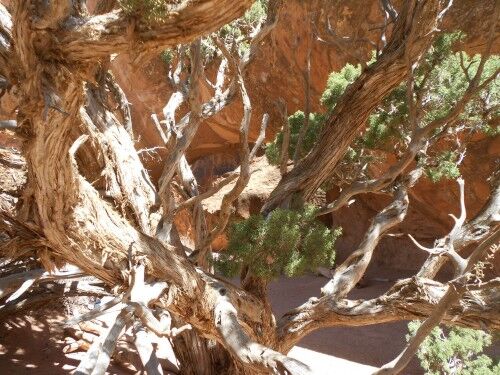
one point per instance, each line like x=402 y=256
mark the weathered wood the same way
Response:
x=108 y=33
x=248 y=351
x=350 y=272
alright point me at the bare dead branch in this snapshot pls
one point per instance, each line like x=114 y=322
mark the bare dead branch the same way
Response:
x=99 y=354
x=286 y=135
x=373 y=185
x=9 y=283
x=446 y=246
x=184 y=140
x=490 y=284
x=175 y=101
x=429 y=250
x=25 y=280
x=227 y=179
x=244 y=176
x=200 y=225
x=261 y=137
x=264 y=29
x=408 y=299
x=221 y=101
x=465 y=234
x=142 y=294
x=164 y=137
x=146 y=351
x=348 y=274
x=96 y=311
x=489 y=216
x=299 y=322
x=459 y=222
x=154 y=325
x=122 y=101
x=221 y=77
x=176 y=141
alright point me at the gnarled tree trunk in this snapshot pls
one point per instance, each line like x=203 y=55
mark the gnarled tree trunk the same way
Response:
x=106 y=222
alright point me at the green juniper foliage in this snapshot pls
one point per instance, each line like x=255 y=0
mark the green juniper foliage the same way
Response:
x=440 y=81
x=167 y=56
x=459 y=352
x=296 y=121
x=152 y=11
x=444 y=166
x=288 y=242
x=337 y=83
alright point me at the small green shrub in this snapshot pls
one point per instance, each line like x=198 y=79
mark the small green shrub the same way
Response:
x=386 y=123
x=245 y=25
x=256 y=13
x=273 y=150
x=458 y=352
x=443 y=166
x=287 y=242
x=337 y=83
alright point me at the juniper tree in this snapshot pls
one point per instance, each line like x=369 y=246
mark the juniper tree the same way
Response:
x=90 y=202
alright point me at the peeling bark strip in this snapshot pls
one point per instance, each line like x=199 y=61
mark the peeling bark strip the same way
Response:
x=5 y=38
x=418 y=22
x=134 y=190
